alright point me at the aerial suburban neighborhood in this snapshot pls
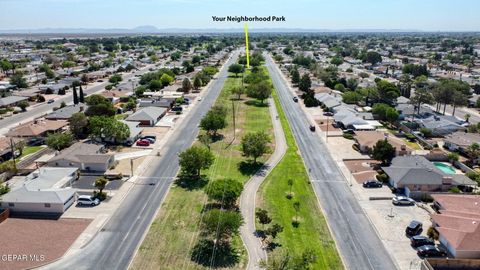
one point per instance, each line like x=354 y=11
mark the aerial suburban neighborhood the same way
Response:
x=248 y=144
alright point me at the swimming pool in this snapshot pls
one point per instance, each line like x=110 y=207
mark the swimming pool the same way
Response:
x=445 y=168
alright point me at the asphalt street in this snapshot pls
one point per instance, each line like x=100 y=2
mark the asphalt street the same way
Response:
x=357 y=242
x=115 y=245
x=45 y=108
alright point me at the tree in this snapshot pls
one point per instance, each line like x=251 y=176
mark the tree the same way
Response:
x=99 y=105
x=351 y=97
x=296 y=206
x=391 y=115
x=100 y=183
x=20 y=146
x=473 y=151
x=295 y=76
x=372 y=58
x=255 y=144
x=261 y=90
x=212 y=122
x=23 y=105
x=274 y=230
x=221 y=223
x=422 y=96
x=205 y=139
x=381 y=109
x=78 y=125
x=263 y=217
x=59 y=141
x=5 y=65
x=197 y=83
x=225 y=191
x=115 y=79
x=186 y=85
x=337 y=61
x=290 y=184
x=18 y=80
x=305 y=83
x=166 y=79
x=82 y=96
x=238 y=90
x=383 y=151
x=75 y=95
x=235 y=68
x=388 y=92
x=459 y=99
x=194 y=159
x=108 y=128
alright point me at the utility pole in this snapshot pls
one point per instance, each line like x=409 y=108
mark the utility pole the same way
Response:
x=326 y=134
x=13 y=153
x=233 y=116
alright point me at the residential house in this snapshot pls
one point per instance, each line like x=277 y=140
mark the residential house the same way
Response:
x=160 y=103
x=460 y=141
x=147 y=116
x=6 y=152
x=37 y=128
x=11 y=101
x=366 y=140
x=84 y=156
x=46 y=190
x=66 y=112
x=458 y=223
x=441 y=125
x=416 y=176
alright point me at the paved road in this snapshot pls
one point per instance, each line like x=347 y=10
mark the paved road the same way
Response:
x=256 y=252
x=357 y=242
x=45 y=108
x=114 y=246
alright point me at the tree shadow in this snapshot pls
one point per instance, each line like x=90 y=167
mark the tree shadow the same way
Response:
x=256 y=103
x=249 y=168
x=191 y=182
x=272 y=245
x=295 y=223
x=217 y=137
x=207 y=254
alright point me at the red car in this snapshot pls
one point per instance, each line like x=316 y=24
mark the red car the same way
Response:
x=143 y=143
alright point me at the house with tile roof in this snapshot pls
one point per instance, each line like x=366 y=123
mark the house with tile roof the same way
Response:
x=366 y=140
x=37 y=128
x=458 y=223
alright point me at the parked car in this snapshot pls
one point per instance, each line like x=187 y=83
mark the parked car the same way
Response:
x=87 y=200
x=149 y=139
x=50 y=101
x=420 y=240
x=143 y=143
x=99 y=80
x=312 y=128
x=430 y=251
x=153 y=137
x=372 y=184
x=295 y=99
x=402 y=200
x=177 y=109
x=199 y=98
x=328 y=114
x=414 y=228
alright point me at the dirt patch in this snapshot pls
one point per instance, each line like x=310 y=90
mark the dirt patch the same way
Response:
x=323 y=125
x=37 y=241
x=362 y=169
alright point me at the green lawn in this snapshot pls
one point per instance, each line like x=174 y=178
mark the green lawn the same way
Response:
x=312 y=232
x=29 y=150
x=175 y=231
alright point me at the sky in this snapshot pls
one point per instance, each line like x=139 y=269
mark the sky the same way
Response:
x=426 y=15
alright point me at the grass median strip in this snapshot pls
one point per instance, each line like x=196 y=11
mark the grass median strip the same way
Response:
x=175 y=231
x=303 y=230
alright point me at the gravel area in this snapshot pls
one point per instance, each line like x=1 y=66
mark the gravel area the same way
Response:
x=33 y=242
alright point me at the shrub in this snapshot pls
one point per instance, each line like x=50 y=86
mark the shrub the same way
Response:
x=382 y=177
x=348 y=136
x=453 y=156
x=432 y=233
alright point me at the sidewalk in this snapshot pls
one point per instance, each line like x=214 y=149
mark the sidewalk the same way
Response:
x=102 y=213
x=252 y=243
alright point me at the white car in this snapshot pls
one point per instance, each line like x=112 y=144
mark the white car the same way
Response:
x=199 y=98
x=87 y=200
x=402 y=200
